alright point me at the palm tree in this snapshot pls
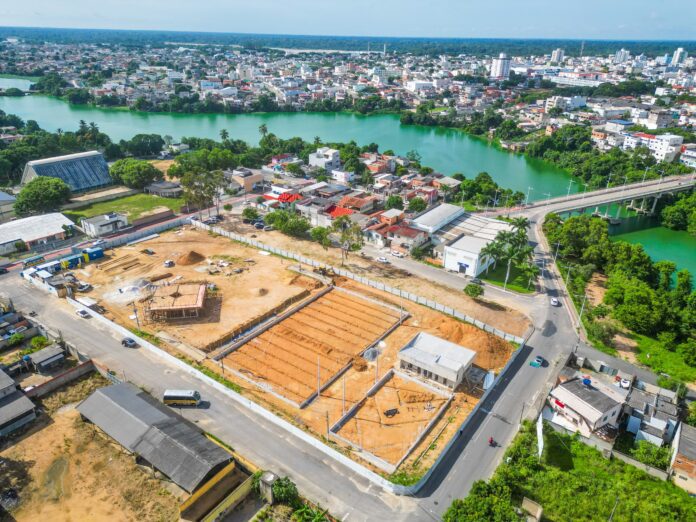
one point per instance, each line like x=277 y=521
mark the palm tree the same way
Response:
x=520 y=224
x=224 y=135
x=263 y=129
x=317 y=141
x=492 y=251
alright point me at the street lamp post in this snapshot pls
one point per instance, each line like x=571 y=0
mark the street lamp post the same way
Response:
x=548 y=197
x=526 y=201
x=570 y=185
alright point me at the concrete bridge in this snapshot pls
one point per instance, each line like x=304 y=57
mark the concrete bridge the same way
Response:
x=641 y=197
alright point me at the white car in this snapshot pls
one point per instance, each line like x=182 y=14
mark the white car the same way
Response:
x=99 y=242
x=396 y=253
x=555 y=302
x=382 y=259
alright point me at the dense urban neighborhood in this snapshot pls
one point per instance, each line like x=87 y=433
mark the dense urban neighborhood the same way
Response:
x=216 y=328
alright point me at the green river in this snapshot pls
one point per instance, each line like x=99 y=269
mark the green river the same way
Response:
x=446 y=150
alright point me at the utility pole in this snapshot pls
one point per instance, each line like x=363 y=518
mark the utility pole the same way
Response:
x=526 y=200
x=344 y=394
x=558 y=246
x=570 y=267
x=570 y=185
x=582 y=307
x=318 y=379
x=548 y=197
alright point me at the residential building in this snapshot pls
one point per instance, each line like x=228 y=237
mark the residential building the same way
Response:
x=500 y=67
x=16 y=409
x=6 y=206
x=651 y=417
x=342 y=176
x=436 y=359
x=558 y=55
x=584 y=406
x=34 y=231
x=683 y=465
x=622 y=56
x=663 y=147
x=104 y=224
x=405 y=238
x=325 y=158
x=156 y=434
x=82 y=172
x=679 y=56
x=47 y=358
x=245 y=178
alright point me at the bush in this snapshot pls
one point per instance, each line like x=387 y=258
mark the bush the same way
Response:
x=39 y=342
x=15 y=339
x=250 y=213
x=473 y=290
x=285 y=491
x=227 y=207
x=603 y=332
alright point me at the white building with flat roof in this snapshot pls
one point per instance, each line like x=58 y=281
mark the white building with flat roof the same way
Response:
x=436 y=359
x=464 y=256
x=437 y=217
x=325 y=158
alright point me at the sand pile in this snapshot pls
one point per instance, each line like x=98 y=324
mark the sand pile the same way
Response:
x=190 y=258
x=410 y=397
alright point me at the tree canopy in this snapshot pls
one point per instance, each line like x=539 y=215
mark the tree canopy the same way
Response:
x=135 y=173
x=42 y=194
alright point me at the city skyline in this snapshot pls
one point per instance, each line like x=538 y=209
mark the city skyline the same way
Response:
x=439 y=19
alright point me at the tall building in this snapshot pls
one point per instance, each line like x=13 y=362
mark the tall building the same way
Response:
x=558 y=55
x=500 y=68
x=622 y=56
x=679 y=56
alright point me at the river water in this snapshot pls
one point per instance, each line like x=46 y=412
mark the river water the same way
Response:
x=446 y=150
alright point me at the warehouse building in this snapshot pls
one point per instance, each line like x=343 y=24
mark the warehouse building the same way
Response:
x=155 y=434
x=81 y=172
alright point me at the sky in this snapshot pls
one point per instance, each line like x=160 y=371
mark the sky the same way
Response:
x=587 y=19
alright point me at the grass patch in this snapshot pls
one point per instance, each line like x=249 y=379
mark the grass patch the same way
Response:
x=517 y=281
x=575 y=482
x=213 y=375
x=133 y=206
x=406 y=478
x=654 y=354
x=153 y=339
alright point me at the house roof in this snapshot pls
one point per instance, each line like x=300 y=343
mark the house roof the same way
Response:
x=588 y=401
x=336 y=211
x=392 y=213
x=14 y=405
x=437 y=355
x=405 y=231
x=438 y=217
x=687 y=441
x=144 y=426
x=46 y=354
x=5 y=380
x=33 y=227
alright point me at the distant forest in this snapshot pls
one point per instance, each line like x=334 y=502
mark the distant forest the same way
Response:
x=433 y=46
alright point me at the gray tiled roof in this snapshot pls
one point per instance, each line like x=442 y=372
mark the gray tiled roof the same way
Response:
x=146 y=427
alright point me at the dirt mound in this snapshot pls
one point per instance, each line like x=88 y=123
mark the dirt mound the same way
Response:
x=359 y=364
x=190 y=258
x=410 y=397
x=263 y=291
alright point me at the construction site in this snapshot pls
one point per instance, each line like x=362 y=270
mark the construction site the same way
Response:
x=318 y=350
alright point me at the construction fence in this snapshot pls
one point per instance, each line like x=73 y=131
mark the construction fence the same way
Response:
x=363 y=280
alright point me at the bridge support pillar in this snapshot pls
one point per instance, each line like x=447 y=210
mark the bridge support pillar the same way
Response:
x=652 y=211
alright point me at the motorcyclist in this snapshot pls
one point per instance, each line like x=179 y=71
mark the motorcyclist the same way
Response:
x=491 y=442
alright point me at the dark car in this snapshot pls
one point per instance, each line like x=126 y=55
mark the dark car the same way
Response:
x=3 y=270
x=128 y=342
x=476 y=281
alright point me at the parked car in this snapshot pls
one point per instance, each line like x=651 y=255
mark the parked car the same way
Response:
x=82 y=314
x=247 y=221
x=99 y=242
x=84 y=287
x=476 y=281
x=128 y=342
x=555 y=302
x=396 y=253
x=3 y=270
x=168 y=263
x=268 y=228
x=383 y=259
x=259 y=226
x=538 y=362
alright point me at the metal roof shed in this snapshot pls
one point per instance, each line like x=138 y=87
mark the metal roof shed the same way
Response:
x=47 y=357
x=147 y=428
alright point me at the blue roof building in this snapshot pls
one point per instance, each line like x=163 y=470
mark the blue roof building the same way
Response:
x=81 y=172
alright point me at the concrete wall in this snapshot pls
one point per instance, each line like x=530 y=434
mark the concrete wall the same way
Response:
x=98 y=199
x=61 y=379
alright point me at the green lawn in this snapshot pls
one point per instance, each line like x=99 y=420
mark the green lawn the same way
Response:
x=517 y=282
x=654 y=354
x=133 y=206
x=573 y=482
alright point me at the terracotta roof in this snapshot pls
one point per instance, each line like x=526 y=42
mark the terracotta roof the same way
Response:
x=399 y=230
x=335 y=212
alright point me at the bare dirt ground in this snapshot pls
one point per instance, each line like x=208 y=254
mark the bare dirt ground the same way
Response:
x=64 y=471
x=322 y=337
x=596 y=288
x=162 y=165
x=340 y=396
x=506 y=319
x=626 y=347
x=249 y=283
x=390 y=437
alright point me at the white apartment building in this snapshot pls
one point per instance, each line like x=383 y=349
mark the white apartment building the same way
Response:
x=500 y=67
x=343 y=177
x=688 y=158
x=558 y=55
x=663 y=147
x=679 y=56
x=325 y=158
x=567 y=103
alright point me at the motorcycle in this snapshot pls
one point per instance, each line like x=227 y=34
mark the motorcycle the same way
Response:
x=491 y=442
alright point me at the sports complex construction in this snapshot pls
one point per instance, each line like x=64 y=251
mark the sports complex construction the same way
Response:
x=329 y=354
